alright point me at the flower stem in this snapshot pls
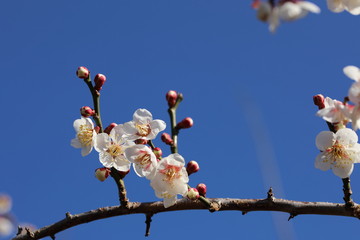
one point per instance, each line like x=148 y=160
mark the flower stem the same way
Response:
x=174 y=130
x=96 y=101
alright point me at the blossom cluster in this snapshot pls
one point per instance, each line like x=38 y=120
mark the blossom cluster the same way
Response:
x=273 y=12
x=117 y=149
x=340 y=148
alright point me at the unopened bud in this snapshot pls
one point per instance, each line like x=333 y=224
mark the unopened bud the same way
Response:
x=82 y=72
x=319 y=101
x=141 y=141
x=87 y=111
x=171 y=97
x=158 y=152
x=109 y=128
x=185 y=123
x=102 y=173
x=193 y=194
x=97 y=129
x=166 y=138
x=99 y=81
x=192 y=167
x=201 y=187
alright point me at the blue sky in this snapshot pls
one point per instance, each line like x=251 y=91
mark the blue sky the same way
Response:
x=248 y=91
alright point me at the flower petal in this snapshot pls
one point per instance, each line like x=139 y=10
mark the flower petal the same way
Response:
x=324 y=140
x=346 y=136
x=343 y=170
x=322 y=163
x=335 y=5
x=142 y=116
x=309 y=6
x=102 y=142
x=352 y=72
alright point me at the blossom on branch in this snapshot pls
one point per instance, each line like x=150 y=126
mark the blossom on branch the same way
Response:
x=85 y=135
x=111 y=148
x=170 y=179
x=354 y=94
x=339 y=151
x=334 y=111
x=352 y=6
x=143 y=126
x=143 y=159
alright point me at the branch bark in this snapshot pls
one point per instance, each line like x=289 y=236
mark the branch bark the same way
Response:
x=294 y=208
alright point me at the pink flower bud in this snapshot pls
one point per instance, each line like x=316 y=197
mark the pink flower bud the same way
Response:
x=171 y=97
x=99 y=81
x=192 y=167
x=82 y=72
x=102 y=173
x=201 y=187
x=192 y=194
x=141 y=141
x=166 y=138
x=87 y=111
x=319 y=101
x=185 y=123
x=109 y=128
x=97 y=129
x=158 y=152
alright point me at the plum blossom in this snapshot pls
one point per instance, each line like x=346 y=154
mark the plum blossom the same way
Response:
x=352 y=6
x=334 y=111
x=354 y=94
x=143 y=126
x=267 y=12
x=112 y=148
x=170 y=179
x=7 y=224
x=339 y=151
x=85 y=135
x=143 y=159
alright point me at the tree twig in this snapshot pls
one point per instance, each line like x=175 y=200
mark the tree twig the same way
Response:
x=295 y=208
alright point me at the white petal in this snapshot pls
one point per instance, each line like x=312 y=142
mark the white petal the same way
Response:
x=322 y=163
x=106 y=160
x=353 y=6
x=160 y=125
x=352 y=72
x=5 y=203
x=274 y=19
x=346 y=136
x=6 y=226
x=354 y=93
x=102 y=142
x=86 y=150
x=117 y=132
x=290 y=11
x=335 y=5
x=142 y=116
x=343 y=170
x=309 y=6
x=78 y=122
x=324 y=140
x=76 y=143
x=168 y=202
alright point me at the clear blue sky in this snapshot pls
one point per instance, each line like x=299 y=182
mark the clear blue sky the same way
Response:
x=248 y=91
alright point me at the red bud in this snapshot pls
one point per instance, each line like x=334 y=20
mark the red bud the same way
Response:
x=185 y=123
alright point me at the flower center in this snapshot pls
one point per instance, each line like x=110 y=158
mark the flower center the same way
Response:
x=85 y=135
x=143 y=129
x=171 y=172
x=115 y=150
x=338 y=152
x=143 y=159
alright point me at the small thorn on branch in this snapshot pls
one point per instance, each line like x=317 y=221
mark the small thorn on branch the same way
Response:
x=20 y=229
x=292 y=215
x=148 y=224
x=52 y=237
x=244 y=212
x=29 y=233
x=270 y=194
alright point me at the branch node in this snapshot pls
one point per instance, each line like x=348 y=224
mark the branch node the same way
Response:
x=214 y=206
x=292 y=215
x=68 y=215
x=53 y=237
x=270 y=195
x=148 y=223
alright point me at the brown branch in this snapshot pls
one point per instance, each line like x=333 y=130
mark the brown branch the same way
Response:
x=294 y=208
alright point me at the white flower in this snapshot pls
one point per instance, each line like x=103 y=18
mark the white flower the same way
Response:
x=352 y=6
x=170 y=179
x=354 y=94
x=267 y=13
x=85 y=135
x=290 y=11
x=112 y=147
x=339 y=151
x=6 y=226
x=334 y=111
x=143 y=159
x=143 y=126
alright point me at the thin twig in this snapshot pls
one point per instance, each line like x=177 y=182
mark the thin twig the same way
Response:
x=121 y=187
x=148 y=223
